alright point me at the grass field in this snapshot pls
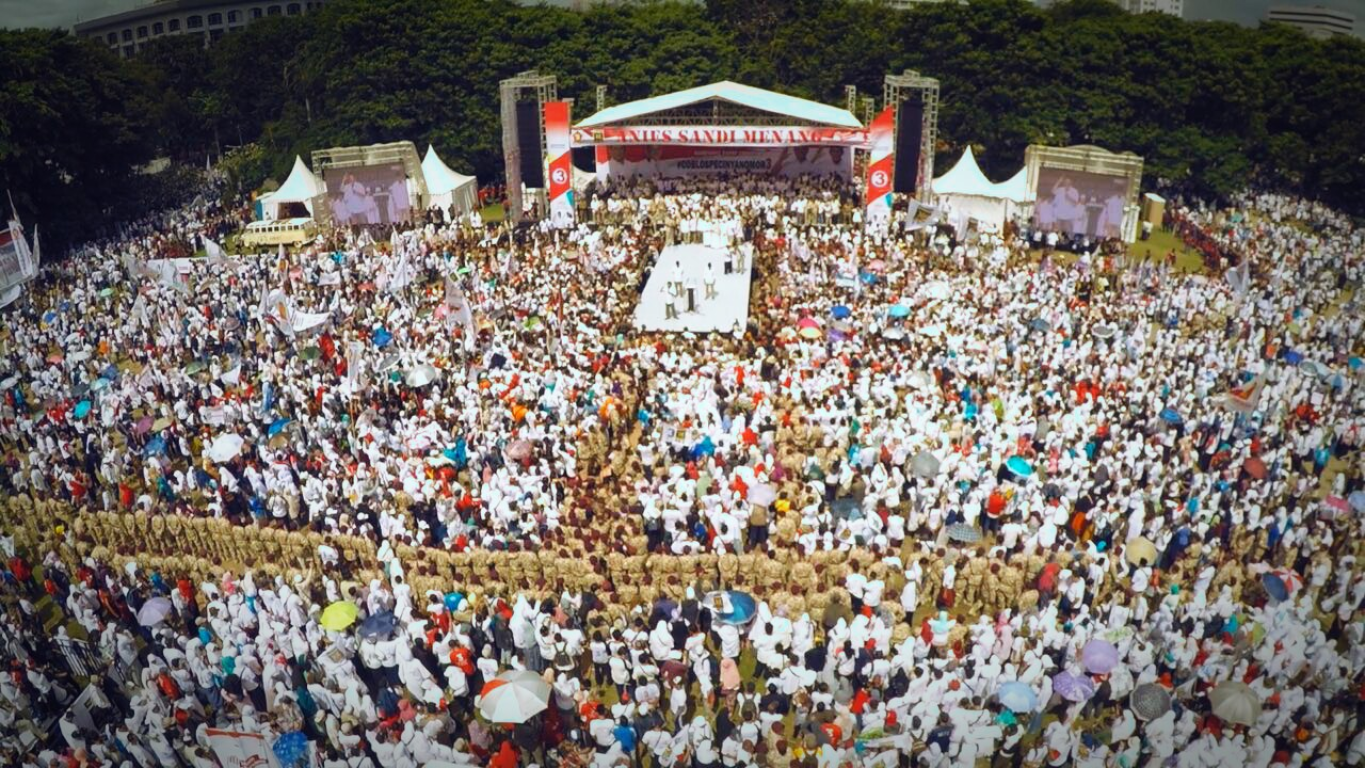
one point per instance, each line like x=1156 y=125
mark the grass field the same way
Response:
x=493 y=214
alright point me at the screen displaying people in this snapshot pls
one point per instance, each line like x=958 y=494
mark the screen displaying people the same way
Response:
x=371 y=194
x=1078 y=203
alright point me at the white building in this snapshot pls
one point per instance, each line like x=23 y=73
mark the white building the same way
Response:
x=1317 y=21
x=126 y=33
x=1172 y=7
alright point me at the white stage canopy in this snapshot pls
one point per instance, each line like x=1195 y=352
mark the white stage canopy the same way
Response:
x=683 y=118
x=301 y=187
x=965 y=193
x=447 y=187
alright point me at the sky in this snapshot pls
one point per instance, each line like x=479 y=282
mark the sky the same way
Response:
x=59 y=13
x=64 y=13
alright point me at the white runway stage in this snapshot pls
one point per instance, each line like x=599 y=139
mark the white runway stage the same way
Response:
x=730 y=305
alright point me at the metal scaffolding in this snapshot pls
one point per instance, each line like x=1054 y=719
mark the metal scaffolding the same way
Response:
x=524 y=87
x=894 y=91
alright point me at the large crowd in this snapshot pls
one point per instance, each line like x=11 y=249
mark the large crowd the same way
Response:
x=977 y=505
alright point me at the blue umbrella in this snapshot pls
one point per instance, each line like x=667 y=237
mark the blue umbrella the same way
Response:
x=743 y=607
x=1017 y=697
x=452 y=601
x=1293 y=357
x=381 y=338
x=1275 y=587
x=378 y=627
x=81 y=410
x=1019 y=466
x=1170 y=416
x=291 y=749
x=845 y=507
x=898 y=311
x=1357 y=501
x=1072 y=687
x=277 y=426
x=154 y=447
x=840 y=312
x=1354 y=363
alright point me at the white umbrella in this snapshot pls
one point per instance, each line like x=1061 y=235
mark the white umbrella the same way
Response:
x=762 y=494
x=422 y=375
x=937 y=290
x=514 y=697
x=1236 y=703
x=154 y=611
x=225 y=448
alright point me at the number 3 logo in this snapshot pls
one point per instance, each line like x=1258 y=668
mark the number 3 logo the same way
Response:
x=559 y=176
x=879 y=178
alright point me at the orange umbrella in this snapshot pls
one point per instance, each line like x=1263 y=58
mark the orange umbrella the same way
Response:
x=1255 y=467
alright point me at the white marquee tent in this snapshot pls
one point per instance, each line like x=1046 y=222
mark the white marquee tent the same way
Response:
x=301 y=187
x=447 y=187
x=966 y=193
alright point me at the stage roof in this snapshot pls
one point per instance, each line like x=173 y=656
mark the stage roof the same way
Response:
x=735 y=93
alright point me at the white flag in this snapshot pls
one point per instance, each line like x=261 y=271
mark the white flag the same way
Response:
x=232 y=377
x=216 y=254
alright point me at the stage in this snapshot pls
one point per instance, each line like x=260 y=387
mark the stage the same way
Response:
x=689 y=264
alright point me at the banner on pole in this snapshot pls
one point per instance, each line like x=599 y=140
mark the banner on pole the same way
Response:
x=16 y=261
x=881 y=170
x=560 y=172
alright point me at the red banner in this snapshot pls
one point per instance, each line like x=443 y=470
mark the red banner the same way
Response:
x=721 y=136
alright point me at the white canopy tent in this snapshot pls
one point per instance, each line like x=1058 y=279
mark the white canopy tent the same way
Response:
x=448 y=188
x=965 y=192
x=302 y=187
x=744 y=95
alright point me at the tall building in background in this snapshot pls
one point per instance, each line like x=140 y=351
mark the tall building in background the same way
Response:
x=1172 y=7
x=126 y=33
x=1317 y=21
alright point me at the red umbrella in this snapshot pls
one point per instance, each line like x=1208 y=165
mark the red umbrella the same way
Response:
x=1255 y=467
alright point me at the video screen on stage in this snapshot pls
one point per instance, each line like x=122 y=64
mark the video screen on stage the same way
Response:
x=368 y=194
x=1078 y=203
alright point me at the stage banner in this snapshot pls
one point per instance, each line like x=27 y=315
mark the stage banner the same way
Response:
x=560 y=171
x=880 y=171
x=686 y=162
x=721 y=136
x=235 y=749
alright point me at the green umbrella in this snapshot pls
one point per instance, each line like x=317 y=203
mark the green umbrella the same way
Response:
x=107 y=292
x=310 y=353
x=194 y=367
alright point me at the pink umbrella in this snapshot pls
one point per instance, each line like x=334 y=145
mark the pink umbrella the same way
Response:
x=876 y=265
x=807 y=322
x=143 y=425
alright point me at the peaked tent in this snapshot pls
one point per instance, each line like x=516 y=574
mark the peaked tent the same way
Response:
x=966 y=193
x=1016 y=189
x=447 y=187
x=735 y=93
x=302 y=187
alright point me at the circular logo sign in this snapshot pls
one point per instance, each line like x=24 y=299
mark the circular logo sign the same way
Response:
x=879 y=178
x=560 y=176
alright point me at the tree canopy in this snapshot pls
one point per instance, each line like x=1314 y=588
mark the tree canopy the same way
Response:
x=1210 y=106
